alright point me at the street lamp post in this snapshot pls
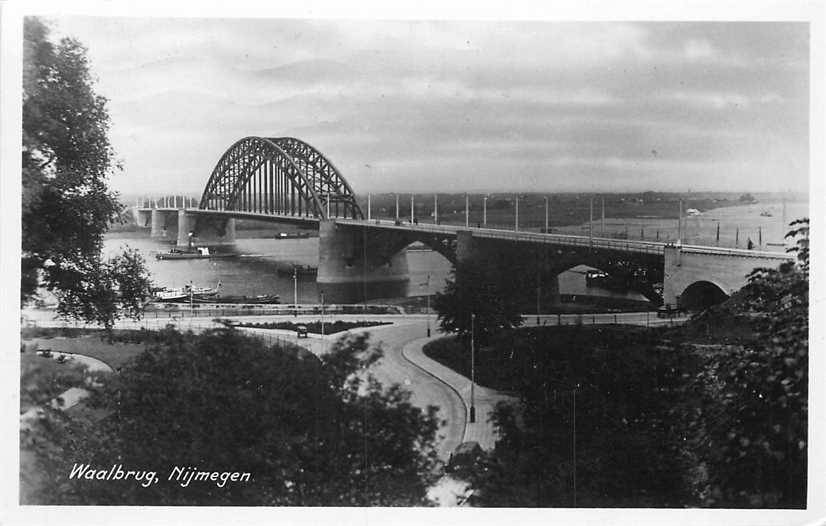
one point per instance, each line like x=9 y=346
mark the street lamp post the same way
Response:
x=467 y=211
x=472 y=369
x=485 y=211
x=364 y=267
x=412 y=208
x=573 y=426
x=323 y=341
x=295 y=291
x=591 y=223
x=369 y=215
x=516 y=217
x=547 y=217
x=436 y=209
x=680 y=224
x=427 y=310
x=538 y=292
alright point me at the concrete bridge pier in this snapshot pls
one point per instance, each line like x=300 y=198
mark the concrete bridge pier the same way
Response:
x=143 y=218
x=204 y=231
x=536 y=273
x=352 y=267
x=466 y=247
x=549 y=290
x=163 y=226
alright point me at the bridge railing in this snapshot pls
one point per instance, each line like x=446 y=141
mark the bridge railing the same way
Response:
x=648 y=247
x=166 y=202
x=737 y=252
x=626 y=245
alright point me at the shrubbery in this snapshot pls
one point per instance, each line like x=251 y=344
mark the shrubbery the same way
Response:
x=311 y=431
x=713 y=413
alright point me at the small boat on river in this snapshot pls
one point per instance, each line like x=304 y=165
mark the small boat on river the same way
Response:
x=301 y=270
x=198 y=253
x=261 y=299
x=292 y=235
x=185 y=293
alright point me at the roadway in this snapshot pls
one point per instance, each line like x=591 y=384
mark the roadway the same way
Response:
x=403 y=361
x=592 y=242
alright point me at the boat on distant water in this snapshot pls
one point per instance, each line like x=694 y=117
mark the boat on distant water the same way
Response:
x=292 y=235
x=418 y=246
x=261 y=299
x=185 y=293
x=766 y=213
x=301 y=270
x=198 y=253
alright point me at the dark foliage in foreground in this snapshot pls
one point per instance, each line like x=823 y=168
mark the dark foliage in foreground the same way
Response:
x=625 y=384
x=666 y=417
x=750 y=433
x=66 y=203
x=310 y=431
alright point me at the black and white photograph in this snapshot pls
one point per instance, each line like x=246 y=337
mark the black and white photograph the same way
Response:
x=306 y=265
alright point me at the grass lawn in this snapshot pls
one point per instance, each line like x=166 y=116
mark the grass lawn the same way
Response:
x=505 y=361
x=314 y=327
x=113 y=354
x=35 y=369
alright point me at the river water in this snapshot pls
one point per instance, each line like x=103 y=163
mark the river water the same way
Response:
x=255 y=271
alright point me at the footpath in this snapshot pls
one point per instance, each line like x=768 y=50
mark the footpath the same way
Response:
x=484 y=399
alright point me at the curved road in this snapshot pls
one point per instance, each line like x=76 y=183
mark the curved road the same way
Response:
x=425 y=388
x=394 y=367
x=403 y=362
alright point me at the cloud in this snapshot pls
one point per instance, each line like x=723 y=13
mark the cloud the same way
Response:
x=698 y=50
x=522 y=105
x=722 y=100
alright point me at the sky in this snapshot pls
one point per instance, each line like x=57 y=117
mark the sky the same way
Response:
x=449 y=106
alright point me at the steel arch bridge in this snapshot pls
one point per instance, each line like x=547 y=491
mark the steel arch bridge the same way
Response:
x=279 y=176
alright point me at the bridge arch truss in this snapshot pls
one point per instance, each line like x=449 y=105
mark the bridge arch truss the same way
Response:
x=279 y=176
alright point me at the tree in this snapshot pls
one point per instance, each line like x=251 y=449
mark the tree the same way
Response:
x=487 y=289
x=66 y=203
x=751 y=433
x=310 y=431
x=662 y=421
x=624 y=387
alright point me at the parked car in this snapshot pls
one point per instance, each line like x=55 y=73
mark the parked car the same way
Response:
x=596 y=278
x=669 y=311
x=464 y=456
x=301 y=331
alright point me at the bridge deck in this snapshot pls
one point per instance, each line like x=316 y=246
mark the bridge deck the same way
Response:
x=600 y=243
x=625 y=245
